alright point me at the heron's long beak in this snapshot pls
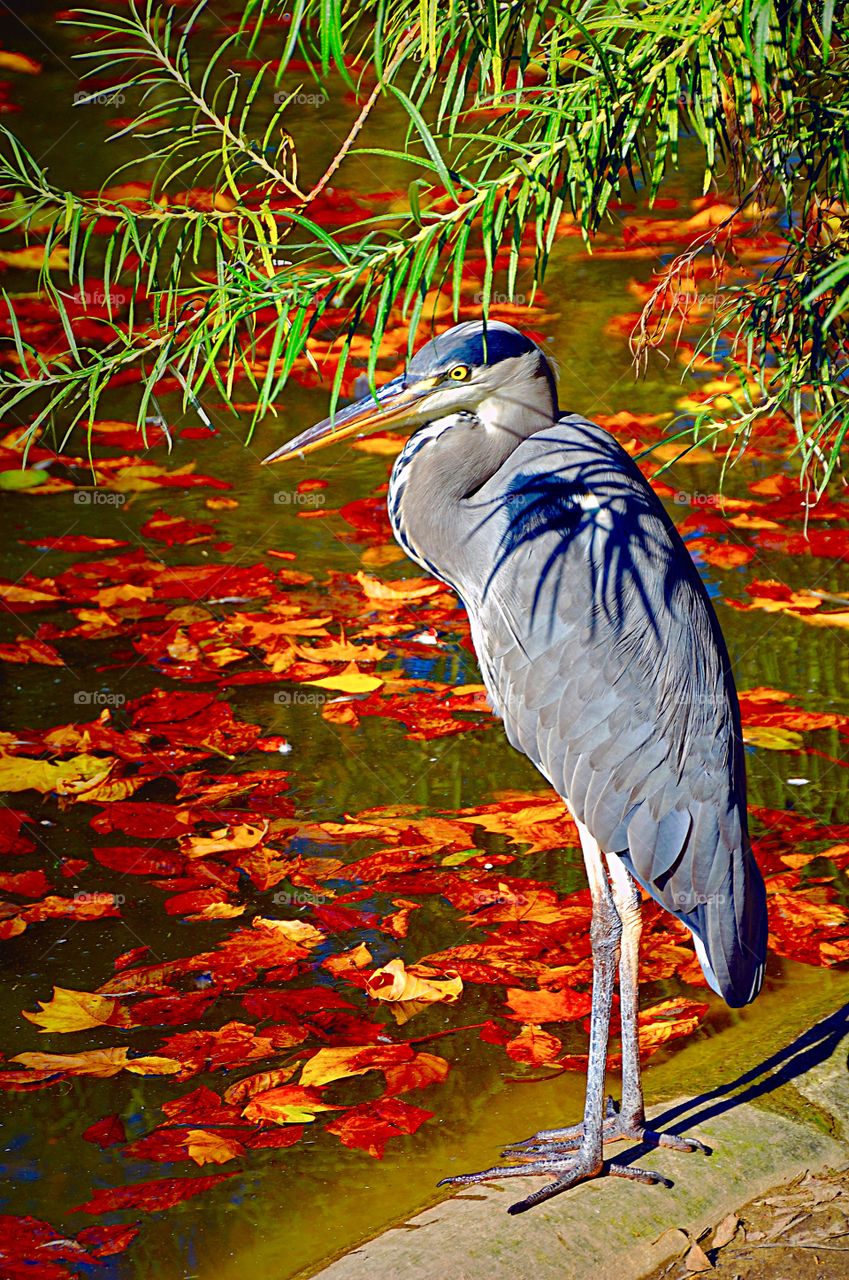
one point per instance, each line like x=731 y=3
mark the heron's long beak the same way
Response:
x=393 y=406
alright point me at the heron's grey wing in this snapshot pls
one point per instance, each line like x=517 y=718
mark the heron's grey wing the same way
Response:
x=603 y=656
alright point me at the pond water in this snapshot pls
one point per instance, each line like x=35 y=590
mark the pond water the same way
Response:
x=288 y=1210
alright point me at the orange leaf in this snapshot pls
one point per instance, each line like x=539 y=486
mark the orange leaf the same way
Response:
x=534 y=1046
x=547 y=1006
x=667 y=1021
x=288 y=1104
x=205 y=1147
x=262 y=1082
x=425 y=1069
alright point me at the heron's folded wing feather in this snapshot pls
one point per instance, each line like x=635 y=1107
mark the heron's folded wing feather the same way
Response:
x=599 y=644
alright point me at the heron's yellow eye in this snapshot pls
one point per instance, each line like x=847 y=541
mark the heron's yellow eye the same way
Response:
x=460 y=372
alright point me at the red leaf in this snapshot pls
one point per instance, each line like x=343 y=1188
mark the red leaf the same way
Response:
x=176 y=530
x=108 y=1132
x=25 y=884
x=102 y=1241
x=151 y=1197
x=370 y=1126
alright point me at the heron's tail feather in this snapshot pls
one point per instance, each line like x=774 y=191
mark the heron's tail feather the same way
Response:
x=705 y=873
x=730 y=932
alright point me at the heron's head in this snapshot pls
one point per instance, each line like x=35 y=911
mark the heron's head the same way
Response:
x=492 y=371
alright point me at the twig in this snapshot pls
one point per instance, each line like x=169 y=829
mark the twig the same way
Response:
x=360 y=120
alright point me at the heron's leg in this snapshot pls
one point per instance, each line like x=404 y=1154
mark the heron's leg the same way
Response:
x=570 y=1167
x=626 y=895
x=630 y=1124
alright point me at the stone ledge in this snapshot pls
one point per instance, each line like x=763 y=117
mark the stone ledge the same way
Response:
x=610 y=1229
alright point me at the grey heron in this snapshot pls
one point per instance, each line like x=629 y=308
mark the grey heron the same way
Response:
x=601 y=652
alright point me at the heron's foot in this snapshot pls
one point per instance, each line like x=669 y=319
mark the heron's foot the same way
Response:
x=616 y=1128
x=566 y=1170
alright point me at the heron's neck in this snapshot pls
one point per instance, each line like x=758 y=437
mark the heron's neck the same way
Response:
x=443 y=464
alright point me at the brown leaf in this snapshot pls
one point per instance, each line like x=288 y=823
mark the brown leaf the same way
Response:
x=696 y=1259
x=725 y=1231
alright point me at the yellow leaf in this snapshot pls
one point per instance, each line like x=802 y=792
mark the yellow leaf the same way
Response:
x=376 y=557
x=211 y=1148
x=342 y=651
x=18 y=62
x=32 y=258
x=126 y=593
x=386 y=445
x=670 y=452
x=18 y=773
x=153 y=1065
x=96 y=1062
x=72 y=1011
x=301 y=626
x=394 y=982
x=298 y=931
x=241 y=836
x=397 y=592
x=351 y=680
x=218 y=911
x=340 y=1061
x=102 y=790
x=771 y=737
x=99 y=1062
x=223 y=657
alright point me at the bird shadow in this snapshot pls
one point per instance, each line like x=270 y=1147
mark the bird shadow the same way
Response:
x=807 y=1051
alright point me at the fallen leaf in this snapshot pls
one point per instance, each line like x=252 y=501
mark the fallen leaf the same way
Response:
x=205 y=1147
x=370 y=1126
x=350 y=680
x=534 y=1046
x=352 y=1060
x=547 y=1006
x=73 y=1011
x=288 y=1104
x=395 y=982
x=151 y=1197
x=725 y=1231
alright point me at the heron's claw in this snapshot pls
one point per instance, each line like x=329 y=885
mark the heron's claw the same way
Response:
x=614 y=1129
x=568 y=1171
